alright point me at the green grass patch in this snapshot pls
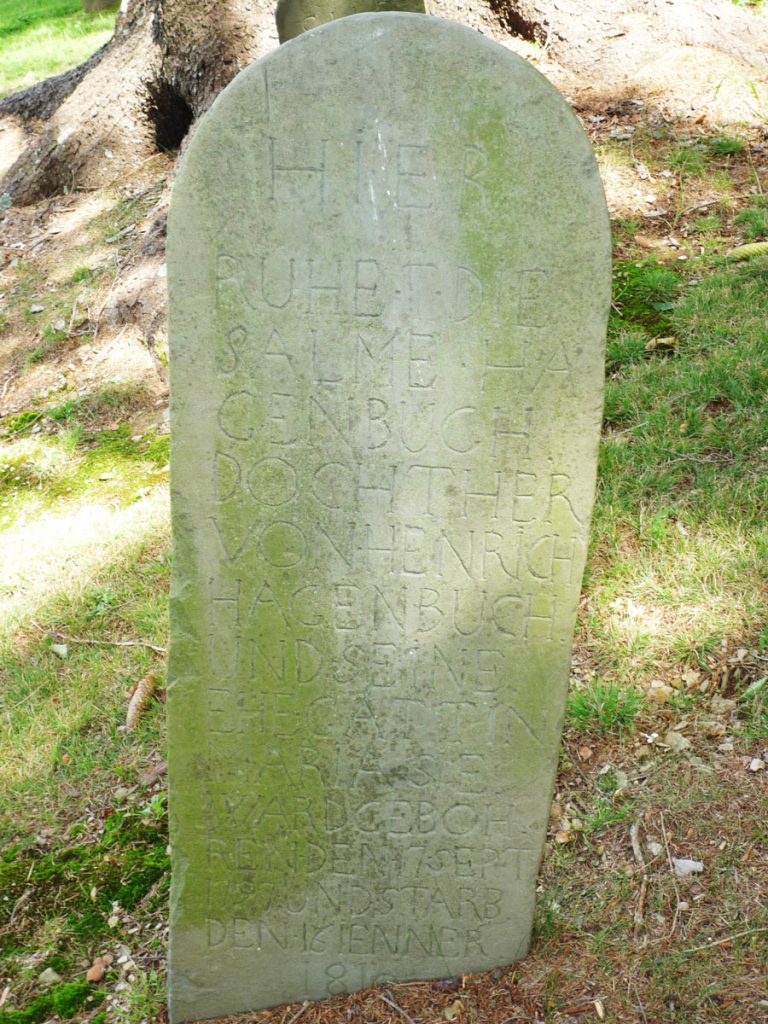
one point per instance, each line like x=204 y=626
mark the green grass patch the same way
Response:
x=29 y=282
x=86 y=410
x=83 y=275
x=60 y=455
x=680 y=532
x=688 y=159
x=644 y=294
x=754 y=219
x=605 y=814
x=62 y=718
x=39 y=38
x=128 y=858
x=64 y=1000
x=78 y=834
x=725 y=145
x=602 y=707
x=110 y=222
x=147 y=998
x=50 y=340
x=753 y=708
x=709 y=223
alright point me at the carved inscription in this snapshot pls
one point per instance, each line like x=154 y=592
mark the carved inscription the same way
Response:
x=386 y=540
x=381 y=520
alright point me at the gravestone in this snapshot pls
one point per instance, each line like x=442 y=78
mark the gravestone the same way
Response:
x=388 y=262
x=297 y=16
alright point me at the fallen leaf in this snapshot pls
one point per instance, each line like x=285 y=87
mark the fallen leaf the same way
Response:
x=648 y=242
x=684 y=868
x=585 y=753
x=447 y=984
x=676 y=742
x=691 y=678
x=60 y=650
x=563 y=836
x=153 y=774
x=452 y=1011
x=659 y=692
x=97 y=970
x=36 y=309
x=722 y=705
x=667 y=344
x=757 y=764
x=715 y=728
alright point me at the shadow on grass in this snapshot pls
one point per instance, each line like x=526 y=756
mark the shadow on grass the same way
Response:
x=680 y=533
x=82 y=839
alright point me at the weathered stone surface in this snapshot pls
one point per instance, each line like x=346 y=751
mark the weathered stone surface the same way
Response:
x=297 y=16
x=388 y=265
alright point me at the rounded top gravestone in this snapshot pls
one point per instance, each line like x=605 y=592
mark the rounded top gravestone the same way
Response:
x=388 y=261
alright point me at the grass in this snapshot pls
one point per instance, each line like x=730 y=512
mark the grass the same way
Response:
x=603 y=707
x=56 y=456
x=102 y=604
x=644 y=292
x=39 y=38
x=116 y=218
x=754 y=707
x=688 y=159
x=680 y=538
x=726 y=145
x=754 y=219
x=90 y=867
x=64 y=1000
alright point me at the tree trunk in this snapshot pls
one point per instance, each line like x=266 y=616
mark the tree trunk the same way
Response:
x=165 y=64
x=168 y=60
x=616 y=38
